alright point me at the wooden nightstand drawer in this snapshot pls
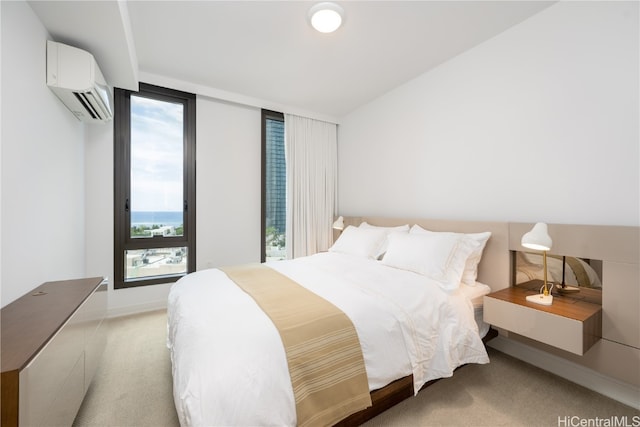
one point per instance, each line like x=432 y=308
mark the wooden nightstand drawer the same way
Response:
x=568 y=324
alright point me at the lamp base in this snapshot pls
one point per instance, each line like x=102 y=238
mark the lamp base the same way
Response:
x=540 y=299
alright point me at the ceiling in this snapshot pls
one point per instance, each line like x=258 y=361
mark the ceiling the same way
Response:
x=267 y=52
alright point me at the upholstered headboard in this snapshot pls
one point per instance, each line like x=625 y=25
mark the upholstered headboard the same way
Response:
x=494 y=268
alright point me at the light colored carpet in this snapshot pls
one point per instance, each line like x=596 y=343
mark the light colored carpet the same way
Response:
x=132 y=387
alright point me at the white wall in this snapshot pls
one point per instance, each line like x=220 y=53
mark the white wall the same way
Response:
x=539 y=123
x=556 y=94
x=42 y=165
x=227 y=199
x=57 y=180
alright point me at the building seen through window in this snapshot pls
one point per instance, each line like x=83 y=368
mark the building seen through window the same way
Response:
x=274 y=187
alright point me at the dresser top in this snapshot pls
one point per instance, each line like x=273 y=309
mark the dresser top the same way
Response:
x=30 y=321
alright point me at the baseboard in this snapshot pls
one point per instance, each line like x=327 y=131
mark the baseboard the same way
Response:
x=588 y=378
x=137 y=308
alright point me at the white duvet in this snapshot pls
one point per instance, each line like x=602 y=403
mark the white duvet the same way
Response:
x=229 y=366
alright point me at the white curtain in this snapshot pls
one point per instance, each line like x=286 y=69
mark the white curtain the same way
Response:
x=312 y=169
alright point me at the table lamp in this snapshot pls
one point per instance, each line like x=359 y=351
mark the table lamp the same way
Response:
x=538 y=239
x=339 y=223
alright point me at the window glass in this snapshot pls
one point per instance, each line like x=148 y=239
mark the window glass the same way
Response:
x=157 y=174
x=274 y=187
x=141 y=263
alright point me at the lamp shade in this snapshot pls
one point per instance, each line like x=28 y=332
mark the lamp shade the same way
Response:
x=326 y=17
x=538 y=238
x=339 y=224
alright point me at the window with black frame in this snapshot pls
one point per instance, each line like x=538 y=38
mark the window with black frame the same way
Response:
x=274 y=185
x=154 y=149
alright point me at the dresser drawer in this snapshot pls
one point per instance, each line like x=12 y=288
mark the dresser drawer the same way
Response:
x=93 y=352
x=44 y=377
x=66 y=402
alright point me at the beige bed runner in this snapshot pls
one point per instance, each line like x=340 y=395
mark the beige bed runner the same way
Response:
x=322 y=347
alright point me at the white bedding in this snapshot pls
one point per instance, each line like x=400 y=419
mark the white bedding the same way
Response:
x=228 y=363
x=475 y=295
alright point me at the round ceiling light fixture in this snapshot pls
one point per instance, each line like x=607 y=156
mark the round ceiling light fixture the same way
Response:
x=326 y=17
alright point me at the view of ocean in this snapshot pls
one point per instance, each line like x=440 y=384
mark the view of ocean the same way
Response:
x=157 y=218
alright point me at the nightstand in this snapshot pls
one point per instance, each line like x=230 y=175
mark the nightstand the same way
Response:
x=571 y=323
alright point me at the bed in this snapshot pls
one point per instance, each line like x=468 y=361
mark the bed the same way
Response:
x=228 y=362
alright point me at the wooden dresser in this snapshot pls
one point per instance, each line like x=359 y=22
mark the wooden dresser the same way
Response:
x=51 y=342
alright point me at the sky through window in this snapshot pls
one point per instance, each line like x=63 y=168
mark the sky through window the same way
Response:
x=156 y=155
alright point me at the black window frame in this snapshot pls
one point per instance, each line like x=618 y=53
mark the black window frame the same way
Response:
x=122 y=176
x=271 y=115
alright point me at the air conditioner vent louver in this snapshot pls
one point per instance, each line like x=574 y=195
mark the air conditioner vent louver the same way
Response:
x=82 y=98
x=74 y=76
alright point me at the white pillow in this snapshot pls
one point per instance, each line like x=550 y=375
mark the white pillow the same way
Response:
x=470 y=274
x=365 y=242
x=439 y=256
x=388 y=230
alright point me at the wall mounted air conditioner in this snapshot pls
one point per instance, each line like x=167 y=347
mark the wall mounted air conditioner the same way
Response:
x=74 y=76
